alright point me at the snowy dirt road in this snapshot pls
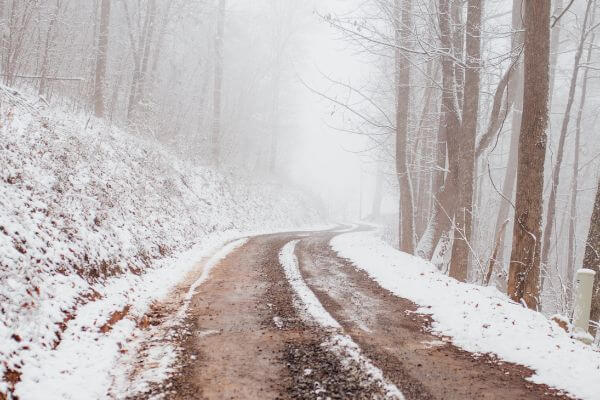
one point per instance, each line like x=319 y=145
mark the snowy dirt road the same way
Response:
x=283 y=317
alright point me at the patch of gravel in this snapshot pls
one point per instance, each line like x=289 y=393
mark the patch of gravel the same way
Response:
x=317 y=373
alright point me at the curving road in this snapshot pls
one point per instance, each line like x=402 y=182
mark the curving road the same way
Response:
x=257 y=332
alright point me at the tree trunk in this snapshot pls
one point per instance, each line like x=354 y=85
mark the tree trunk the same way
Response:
x=218 y=83
x=148 y=34
x=458 y=39
x=591 y=259
x=45 y=57
x=515 y=90
x=422 y=143
x=574 y=182
x=550 y=215
x=444 y=200
x=464 y=216
x=554 y=39
x=402 y=69
x=101 y=57
x=523 y=281
x=160 y=40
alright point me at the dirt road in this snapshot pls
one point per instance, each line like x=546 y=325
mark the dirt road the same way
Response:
x=253 y=336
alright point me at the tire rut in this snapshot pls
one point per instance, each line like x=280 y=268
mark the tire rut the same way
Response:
x=245 y=339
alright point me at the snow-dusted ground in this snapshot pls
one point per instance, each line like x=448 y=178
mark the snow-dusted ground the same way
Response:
x=479 y=319
x=94 y=221
x=338 y=342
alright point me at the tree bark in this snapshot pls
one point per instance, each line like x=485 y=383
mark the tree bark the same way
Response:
x=459 y=263
x=523 y=282
x=445 y=202
x=402 y=69
x=591 y=259
x=101 y=57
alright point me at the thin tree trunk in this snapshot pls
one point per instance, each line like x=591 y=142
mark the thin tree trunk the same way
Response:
x=458 y=40
x=574 y=182
x=591 y=259
x=442 y=216
x=554 y=39
x=159 y=42
x=149 y=34
x=424 y=189
x=515 y=90
x=459 y=263
x=275 y=114
x=523 y=281
x=402 y=69
x=550 y=215
x=136 y=54
x=218 y=83
x=45 y=57
x=101 y=57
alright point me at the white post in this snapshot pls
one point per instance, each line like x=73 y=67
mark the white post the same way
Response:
x=582 y=303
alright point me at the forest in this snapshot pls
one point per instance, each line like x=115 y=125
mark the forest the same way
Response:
x=380 y=187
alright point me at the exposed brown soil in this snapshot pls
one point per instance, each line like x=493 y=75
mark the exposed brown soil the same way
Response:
x=114 y=318
x=245 y=339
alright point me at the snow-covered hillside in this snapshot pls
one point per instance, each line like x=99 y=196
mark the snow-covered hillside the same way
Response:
x=87 y=212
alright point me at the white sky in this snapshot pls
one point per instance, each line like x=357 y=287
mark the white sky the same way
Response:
x=325 y=160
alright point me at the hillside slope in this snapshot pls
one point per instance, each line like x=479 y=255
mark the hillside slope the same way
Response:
x=87 y=212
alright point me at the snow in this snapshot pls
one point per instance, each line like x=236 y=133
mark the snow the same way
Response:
x=309 y=303
x=479 y=319
x=94 y=221
x=338 y=342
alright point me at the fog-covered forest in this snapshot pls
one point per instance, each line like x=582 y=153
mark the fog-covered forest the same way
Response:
x=299 y=199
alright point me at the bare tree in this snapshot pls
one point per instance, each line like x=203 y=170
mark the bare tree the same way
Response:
x=575 y=170
x=101 y=57
x=591 y=258
x=551 y=213
x=445 y=199
x=218 y=82
x=466 y=143
x=402 y=71
x=515 y=92
x=523 y=281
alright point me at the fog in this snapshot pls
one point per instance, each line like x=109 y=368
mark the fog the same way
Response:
x=334 y=98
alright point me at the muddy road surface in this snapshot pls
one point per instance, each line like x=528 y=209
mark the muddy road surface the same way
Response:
x=316 y=327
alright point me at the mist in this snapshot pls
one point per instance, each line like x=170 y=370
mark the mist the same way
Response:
x=311 y=199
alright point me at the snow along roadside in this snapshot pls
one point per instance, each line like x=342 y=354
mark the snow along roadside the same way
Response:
x=341 y=344
x=159 y=357
x=86 y=361
x=479 y=319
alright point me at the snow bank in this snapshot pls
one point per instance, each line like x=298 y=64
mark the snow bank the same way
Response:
x=94 y=224
x=479 y=319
